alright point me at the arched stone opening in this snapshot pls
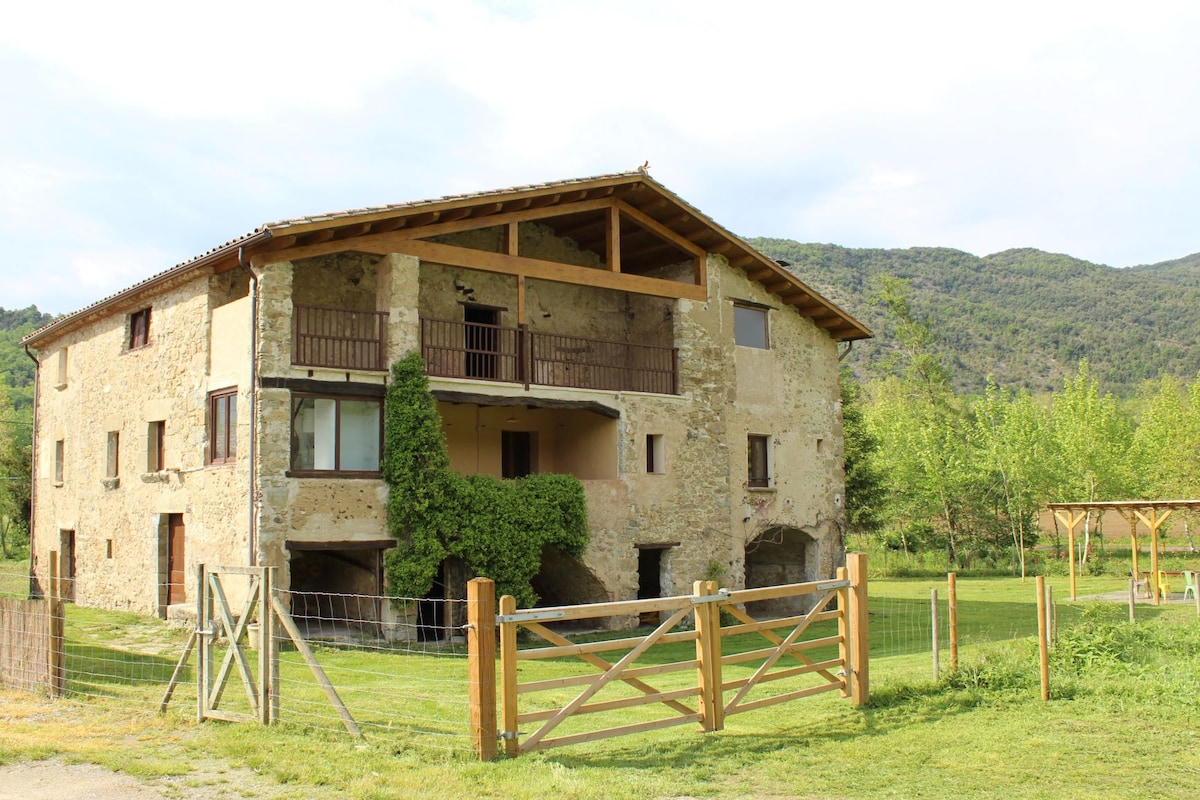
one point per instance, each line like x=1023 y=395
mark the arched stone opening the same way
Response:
x=780 y=555
x=563 y=580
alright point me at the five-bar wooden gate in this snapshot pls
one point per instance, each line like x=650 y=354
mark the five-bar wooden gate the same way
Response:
x=823 y=649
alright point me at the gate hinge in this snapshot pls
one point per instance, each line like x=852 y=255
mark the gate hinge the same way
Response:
x=508 y=734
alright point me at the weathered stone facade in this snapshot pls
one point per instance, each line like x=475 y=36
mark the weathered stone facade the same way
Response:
x=693 y=516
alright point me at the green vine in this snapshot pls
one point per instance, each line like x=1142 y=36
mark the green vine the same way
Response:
x=497 y=527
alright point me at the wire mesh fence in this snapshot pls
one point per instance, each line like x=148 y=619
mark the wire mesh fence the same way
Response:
x=401 y=673
x=399 y=666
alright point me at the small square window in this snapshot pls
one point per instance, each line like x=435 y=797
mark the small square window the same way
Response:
x=59 y=455
x=113 y=466
x=759 y=457
x=139 y=329
x=156 y=437
x=655 y=454
x=750 y=326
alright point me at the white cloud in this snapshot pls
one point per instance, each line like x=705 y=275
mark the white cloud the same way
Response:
x=153 y=131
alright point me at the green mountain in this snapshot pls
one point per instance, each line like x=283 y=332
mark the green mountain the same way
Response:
x=1025 y=317
x=16 y=369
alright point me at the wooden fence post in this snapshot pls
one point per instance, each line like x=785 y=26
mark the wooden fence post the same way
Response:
x=57 y=665
x=481 y=665
x=508 y=674
x=708 y=654
x=952 y=589
x=860 y=686
x=1133 y=599
x=1043 y=637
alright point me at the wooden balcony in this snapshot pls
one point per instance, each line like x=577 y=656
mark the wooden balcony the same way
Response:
x=455 y=349
x=336 y=338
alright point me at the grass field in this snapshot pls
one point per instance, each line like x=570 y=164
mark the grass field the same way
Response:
x=1121 y=721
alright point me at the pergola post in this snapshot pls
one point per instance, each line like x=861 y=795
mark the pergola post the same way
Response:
x=1071 y=520
x=1153 y=513
x=1154 y=522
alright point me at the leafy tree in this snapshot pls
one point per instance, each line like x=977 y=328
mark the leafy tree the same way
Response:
x=1092 y=440
x=924 y=441
x=865 y=487
x=1014 y=450
x=16 y=432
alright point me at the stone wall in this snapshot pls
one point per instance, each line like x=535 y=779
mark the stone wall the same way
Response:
x=699 y=507
x=118 y=519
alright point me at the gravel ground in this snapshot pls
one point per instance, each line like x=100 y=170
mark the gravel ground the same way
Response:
x=57 y=780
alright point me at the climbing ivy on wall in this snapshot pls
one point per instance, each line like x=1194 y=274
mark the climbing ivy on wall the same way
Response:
x=497 y=527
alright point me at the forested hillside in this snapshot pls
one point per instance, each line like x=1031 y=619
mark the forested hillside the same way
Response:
x=1023 y=316
x=14 y=364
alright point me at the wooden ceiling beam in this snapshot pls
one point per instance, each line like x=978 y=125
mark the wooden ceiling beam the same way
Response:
x=350 y=231
x=547 y=270
x=657 y=227
x=388 y=225
x=278 y=243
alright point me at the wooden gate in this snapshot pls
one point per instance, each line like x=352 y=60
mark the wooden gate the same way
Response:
x=215 y=621
x=801 y=648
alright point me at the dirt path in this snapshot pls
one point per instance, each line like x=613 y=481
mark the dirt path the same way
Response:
x=56 y=780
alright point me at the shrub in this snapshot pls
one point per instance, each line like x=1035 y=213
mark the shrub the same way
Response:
x=497 y=527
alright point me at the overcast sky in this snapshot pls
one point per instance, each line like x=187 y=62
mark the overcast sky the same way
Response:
x=134 y=136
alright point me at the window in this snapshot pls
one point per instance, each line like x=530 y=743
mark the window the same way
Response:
x=113 y=466
x=59 y=453
x=335 y=434
x=60 y=378
x=750 y=326
x=222 y=427
x=139 y=329
x=759 y=455
x=518 y=454
x=156 y=437
x=655 y=455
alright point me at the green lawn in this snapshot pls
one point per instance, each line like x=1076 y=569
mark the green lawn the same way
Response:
x=1120 y=723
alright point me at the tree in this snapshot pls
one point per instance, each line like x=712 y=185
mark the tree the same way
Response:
x=498 y=528
x=16 y=434
x=1014 y=446
x=924 y=441
x=1093 y=441
x=865 y=488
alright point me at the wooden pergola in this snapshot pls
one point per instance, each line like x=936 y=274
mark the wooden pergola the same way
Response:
x=1152 y=513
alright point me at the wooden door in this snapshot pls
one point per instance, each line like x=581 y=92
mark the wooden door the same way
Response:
x=176 y=571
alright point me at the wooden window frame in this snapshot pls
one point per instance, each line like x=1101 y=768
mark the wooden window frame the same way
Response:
x=655 y=454
x=336 y=472
x=758 y=461
x=113 y=455
x=222 y=452
x=139 y=329
x=156 y=451
x=762 y=312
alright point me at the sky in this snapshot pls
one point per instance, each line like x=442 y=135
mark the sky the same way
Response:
x=137 y=135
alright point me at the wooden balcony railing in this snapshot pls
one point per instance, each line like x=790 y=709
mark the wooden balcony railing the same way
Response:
x=454 y=349
x=339 y=339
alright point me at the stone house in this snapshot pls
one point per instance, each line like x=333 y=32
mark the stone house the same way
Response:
x=228 y=410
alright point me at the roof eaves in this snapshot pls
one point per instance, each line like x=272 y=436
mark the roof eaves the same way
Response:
x=215 y=254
